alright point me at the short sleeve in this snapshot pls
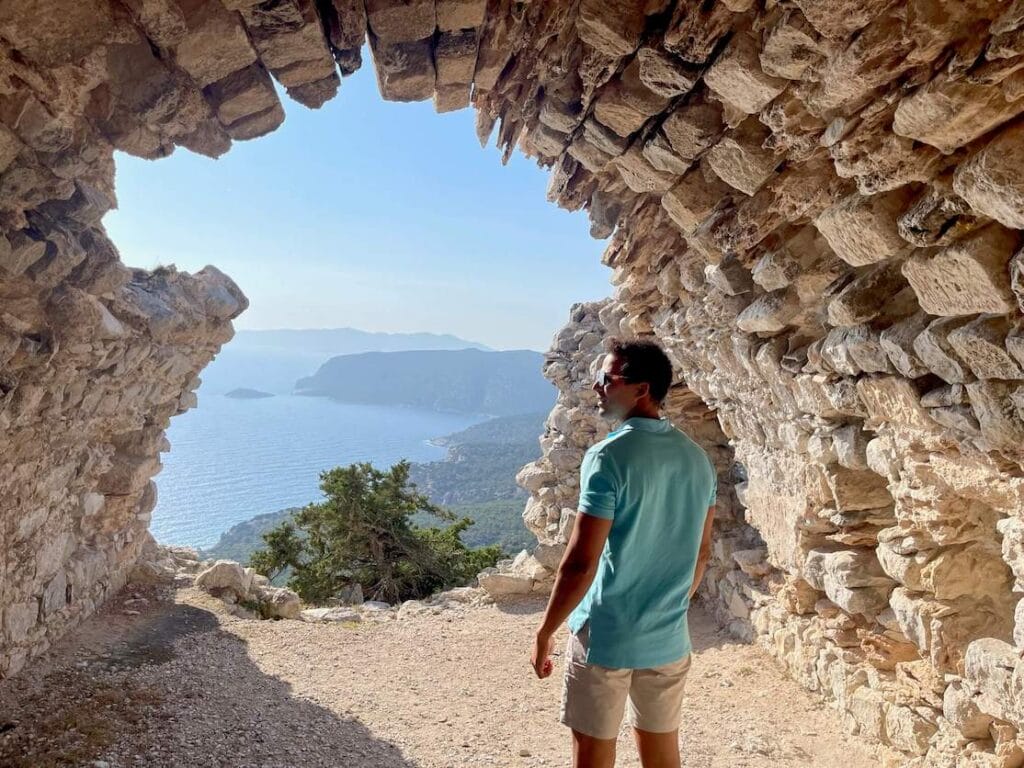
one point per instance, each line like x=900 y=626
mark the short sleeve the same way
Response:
x=713 y=498
x=598 y=485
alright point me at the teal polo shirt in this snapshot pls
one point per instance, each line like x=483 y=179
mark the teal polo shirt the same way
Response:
x=655 y=484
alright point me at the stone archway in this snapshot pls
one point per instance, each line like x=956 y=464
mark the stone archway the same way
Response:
x=815 y=206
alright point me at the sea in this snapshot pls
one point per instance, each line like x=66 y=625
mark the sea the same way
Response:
x=232 y=459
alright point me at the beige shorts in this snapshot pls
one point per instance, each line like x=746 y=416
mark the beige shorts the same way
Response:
x=594 y=698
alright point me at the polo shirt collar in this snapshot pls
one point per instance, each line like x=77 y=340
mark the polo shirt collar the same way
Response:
x=645 y=425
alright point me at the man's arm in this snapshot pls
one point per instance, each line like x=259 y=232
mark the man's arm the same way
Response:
x=575 y=575
x=705 y=552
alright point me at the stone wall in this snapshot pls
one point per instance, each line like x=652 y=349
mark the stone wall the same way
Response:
x=815 y=205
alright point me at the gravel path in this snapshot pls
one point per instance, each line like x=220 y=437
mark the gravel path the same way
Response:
x=184 y=683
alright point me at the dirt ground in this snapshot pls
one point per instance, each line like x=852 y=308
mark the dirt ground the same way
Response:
x=169 y=678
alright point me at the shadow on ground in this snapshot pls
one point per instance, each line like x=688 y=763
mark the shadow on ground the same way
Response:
x=104 y=698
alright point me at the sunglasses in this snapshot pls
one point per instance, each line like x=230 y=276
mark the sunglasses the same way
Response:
x=603 y=378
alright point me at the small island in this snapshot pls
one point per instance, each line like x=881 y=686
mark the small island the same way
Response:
x=243 y=393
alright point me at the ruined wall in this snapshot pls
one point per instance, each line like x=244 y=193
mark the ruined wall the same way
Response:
x=815 y=205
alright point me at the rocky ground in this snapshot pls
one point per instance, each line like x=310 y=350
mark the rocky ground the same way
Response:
x=168 y=677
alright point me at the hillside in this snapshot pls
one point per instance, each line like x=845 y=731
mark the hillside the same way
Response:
x=459 y=381
x=475 y=480
x=272 y=360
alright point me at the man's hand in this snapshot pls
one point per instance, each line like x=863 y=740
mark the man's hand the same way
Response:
x=541 y=658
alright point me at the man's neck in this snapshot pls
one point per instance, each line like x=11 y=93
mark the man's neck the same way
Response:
x=642 y=413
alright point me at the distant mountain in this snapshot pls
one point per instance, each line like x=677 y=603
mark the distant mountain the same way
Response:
x=273 y=360
x=243 y=393
x=326 y=342
x=460 y=381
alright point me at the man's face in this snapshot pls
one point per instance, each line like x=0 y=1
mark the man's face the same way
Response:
x=617 y=397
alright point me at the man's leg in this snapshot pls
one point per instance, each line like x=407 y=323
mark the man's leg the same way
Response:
x=588 y=752
x=655 y=701
x=658 y=750
x=593 y=701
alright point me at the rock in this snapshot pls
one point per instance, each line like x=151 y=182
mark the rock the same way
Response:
x=863 y=230
x=328 y=615
x=992 y=183
x=737 y=79
x=967 y=277
x=226 y=576
x=501 y=584
x=279 y=603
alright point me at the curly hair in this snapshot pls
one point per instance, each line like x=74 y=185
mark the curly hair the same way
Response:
x=644 y=361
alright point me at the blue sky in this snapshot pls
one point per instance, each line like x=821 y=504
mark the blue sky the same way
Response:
x=368 y=214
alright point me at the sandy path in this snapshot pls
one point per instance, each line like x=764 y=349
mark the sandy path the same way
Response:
x=185 y=684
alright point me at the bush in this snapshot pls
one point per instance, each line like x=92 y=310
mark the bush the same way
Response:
x=363 y=533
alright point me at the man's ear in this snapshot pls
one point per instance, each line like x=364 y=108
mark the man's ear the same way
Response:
x=643 y=390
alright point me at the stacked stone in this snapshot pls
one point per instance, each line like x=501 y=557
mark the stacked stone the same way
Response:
x=574 y=425
x=91 y=374
x=815 y=206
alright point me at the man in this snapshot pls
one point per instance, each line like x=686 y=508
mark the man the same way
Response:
x=636 y=555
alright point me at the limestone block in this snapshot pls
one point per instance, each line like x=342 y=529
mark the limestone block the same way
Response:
x=692 y=199
x=737 y=79
x=405 y=71
x=692 y=128
x=626 y=103
x=992 y=182
x=453 y=15
x=639 y=175
x=664 y=74
x=866 y=707
x=1012 y=531
x=729 y=276
x=960 y=707
x=827 y=569
x=950 y=113
x=988 y=669
x=588 y=155
x=401 y=21
x=695 y=30
x=981 y=345
x=256 y=125
x=559 y=115
x=455 y=57
x=791 y=47
x=245 y=92
x=215 y=45
x=910 y=728
x=20 y=252
x=850 y=446
x=346 y=29
x=866 y=296
x=935 y=351
x=898 y=342
x=837 y=19
x=997 y=413
x=937 y=217
x=659 y=153
x=770 y=313
x=741 y=160
x=965 y=278
x=863 y=230
x=1018 y=624
x=893 y=399
x=944 y=396
x=614 y=28
x=603 y=138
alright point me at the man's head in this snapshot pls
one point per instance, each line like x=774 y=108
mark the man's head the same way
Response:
x=634 y=380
